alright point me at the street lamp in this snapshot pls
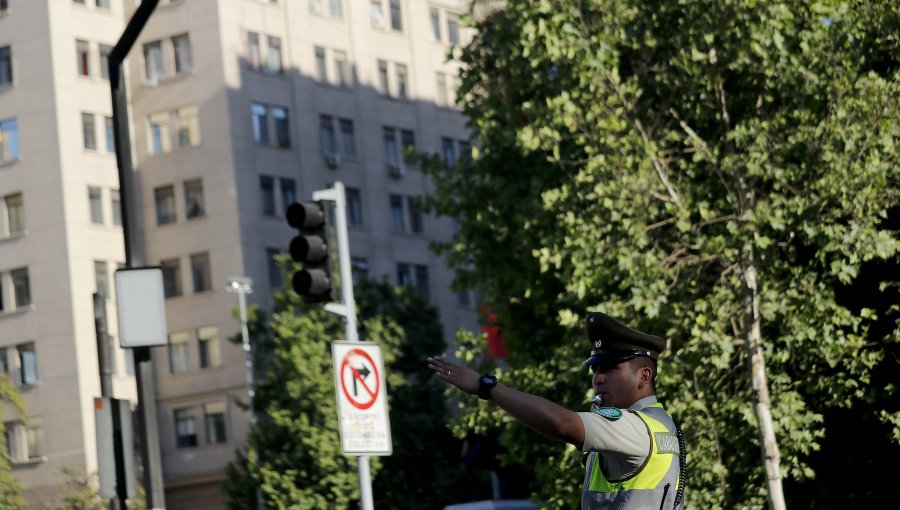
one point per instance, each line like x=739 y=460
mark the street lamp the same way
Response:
x=243 y=286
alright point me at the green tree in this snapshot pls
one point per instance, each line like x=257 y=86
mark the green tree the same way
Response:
x=10 y=487
x=714 y=172
x=300 y=460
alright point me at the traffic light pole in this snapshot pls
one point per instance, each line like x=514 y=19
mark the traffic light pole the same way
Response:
x=347 y=309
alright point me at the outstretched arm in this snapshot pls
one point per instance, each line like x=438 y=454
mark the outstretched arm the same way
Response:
x=538 y=413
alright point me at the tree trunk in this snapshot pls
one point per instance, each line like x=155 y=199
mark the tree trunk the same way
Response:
x=761 y=404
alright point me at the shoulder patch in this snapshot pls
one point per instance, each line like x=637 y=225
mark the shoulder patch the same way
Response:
x=610 y=413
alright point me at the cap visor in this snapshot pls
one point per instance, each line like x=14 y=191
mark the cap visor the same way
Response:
x=609 y=359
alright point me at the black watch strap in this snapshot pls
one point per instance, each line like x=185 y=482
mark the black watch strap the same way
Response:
x=485 y=384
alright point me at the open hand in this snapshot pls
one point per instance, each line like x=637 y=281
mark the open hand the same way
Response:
x=462 y=377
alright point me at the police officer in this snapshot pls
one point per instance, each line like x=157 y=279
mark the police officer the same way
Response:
x=634 y=451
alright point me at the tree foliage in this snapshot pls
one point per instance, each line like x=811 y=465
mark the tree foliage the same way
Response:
x=637 y=158
x=10 y=486
x=300 y=463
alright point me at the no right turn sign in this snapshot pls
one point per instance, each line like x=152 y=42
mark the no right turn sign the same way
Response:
x=362 y=398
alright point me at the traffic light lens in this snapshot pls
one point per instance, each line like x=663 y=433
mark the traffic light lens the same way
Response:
x=312 y=283
x=307 y=215
x=308 y=249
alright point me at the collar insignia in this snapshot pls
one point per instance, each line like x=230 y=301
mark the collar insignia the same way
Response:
x=597 y=344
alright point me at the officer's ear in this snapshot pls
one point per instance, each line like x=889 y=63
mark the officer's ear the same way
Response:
x=645 y=376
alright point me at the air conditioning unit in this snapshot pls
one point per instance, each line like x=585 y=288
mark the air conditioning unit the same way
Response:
x=333 y=160
x=396 y=171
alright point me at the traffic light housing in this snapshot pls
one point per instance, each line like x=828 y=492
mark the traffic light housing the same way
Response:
x=310 y=247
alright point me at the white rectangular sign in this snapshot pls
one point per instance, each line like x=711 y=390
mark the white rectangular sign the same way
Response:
x=141 y=307
x=361 y=389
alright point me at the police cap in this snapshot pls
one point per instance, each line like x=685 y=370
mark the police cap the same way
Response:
x=612 y=342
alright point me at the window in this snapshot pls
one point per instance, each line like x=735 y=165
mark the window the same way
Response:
x=321 y=64
x=4 y=6
x=188 y=126
x=396 y=18
x=201 y=275
x=105 y=50
x=435 y=23
x=21 y=287
x=185 y=429
x=153 y=63
x=171 y=270
x=465 y=151
x=103 y=4
x=402 y=81
x=327 y=136
x=24 y=443
x=282 y=127
x=408 y=140
x=448 y=150
x=453 y=29
x=348 y=138
x=6 y=70
x=182 y=45
x=13 y=209
x=164 y=196
x=27 y=361
x=391 y=155
x=416 y=216
x=9 y=140
x=342 y=68
x=214 y=422
x=254 y=55
x=260 y=123
x=383 y=79
x=116 y=203
x=267 y=187
x=334 y=8
x=159 y=133
x=359 y=268
x=288 y=193
x=88 y=131
x=398 y=219
x=109 y=133
x=329 y=139
x=354 y=207
x=83 y=56
x=101 y=278
x=273 y=60
x=179 y=357
x=208 y=346
x=95 y=201
x=315 y=6
x=276 y=274
x=406 y=214
x=376 y=14
x=193 y=199
x=414 y=275
x=442 y=97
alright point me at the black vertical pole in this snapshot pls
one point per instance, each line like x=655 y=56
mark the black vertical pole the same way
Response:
x=142 y=360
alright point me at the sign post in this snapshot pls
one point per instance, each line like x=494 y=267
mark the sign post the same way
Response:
x=362 y=401
x=362 y=389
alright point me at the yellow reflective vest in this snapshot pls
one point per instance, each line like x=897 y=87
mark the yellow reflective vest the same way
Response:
x=653 y=485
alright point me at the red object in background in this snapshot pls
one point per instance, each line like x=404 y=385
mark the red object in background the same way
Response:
x=495 y=349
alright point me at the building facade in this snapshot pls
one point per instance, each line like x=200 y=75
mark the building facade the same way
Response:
x=238 y=108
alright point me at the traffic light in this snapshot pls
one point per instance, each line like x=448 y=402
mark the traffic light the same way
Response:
x=310 y=247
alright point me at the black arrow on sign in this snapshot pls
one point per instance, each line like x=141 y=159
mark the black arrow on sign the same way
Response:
x=364 y=372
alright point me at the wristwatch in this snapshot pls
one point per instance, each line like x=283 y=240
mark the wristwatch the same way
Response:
x=485 y=384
